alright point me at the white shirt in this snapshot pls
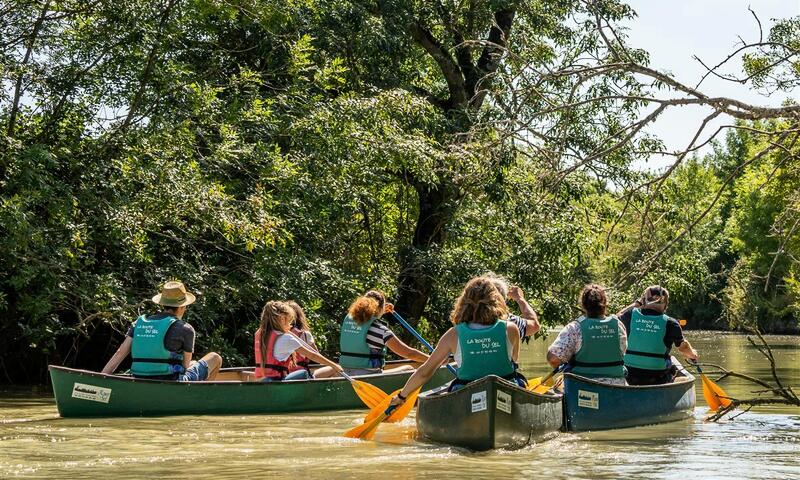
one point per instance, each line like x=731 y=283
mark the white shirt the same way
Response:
x=284 y=346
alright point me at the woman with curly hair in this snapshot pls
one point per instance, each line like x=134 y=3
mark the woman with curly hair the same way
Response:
x=481 y=340
x=594 y=344
x=364 y=339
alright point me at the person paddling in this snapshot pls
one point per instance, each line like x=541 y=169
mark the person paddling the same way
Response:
x=364 y=339
x=651 y=336
x=593 y=345
x=162 y=344
x=276 y=347
x=528 y=321
x=482 y=342
x=302 y=331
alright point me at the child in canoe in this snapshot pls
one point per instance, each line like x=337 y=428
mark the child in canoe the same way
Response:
x=302 y=331
x=276 y=347
x=482 y=342
x=364 y=339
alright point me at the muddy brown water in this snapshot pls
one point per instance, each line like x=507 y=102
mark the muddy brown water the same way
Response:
x=763 y=444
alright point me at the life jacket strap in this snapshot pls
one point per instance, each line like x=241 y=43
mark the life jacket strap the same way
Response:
x=576 y=363
x=171 y=361
x=379 y=356
x=665 y=355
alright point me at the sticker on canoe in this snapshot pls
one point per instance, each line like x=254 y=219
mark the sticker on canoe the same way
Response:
x=91 y=392
x=479 y=401
x=503 y=402
x=588 y=399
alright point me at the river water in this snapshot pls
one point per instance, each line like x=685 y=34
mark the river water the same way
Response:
x=36 y=443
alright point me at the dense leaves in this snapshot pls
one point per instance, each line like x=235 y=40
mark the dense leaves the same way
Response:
x=261 y=149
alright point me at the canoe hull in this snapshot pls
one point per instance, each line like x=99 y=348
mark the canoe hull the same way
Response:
x=81 y=393
x=486 y=414
x=590 y=405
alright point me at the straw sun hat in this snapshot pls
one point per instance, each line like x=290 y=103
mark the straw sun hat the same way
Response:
x=174 y=294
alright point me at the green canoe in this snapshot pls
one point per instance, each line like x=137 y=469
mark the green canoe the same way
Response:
x=488 y=413
x=81 y=393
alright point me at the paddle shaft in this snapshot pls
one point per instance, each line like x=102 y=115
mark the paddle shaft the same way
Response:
x=419 y=338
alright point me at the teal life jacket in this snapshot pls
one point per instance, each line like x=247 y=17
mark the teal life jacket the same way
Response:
x=355 y=352
x=599 y=355
x=483 y=352
x=150 y=356
x=646 y=349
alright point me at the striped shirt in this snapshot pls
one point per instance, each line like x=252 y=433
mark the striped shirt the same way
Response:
x=521 y=323
x=378 y=334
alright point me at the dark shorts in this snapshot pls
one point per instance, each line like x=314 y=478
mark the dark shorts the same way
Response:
x=196 y=373
x=638 y=376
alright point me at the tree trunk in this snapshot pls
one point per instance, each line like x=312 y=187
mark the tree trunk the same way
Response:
x=12 y=118
x=415 y=280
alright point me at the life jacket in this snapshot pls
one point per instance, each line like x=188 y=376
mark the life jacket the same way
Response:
x=301 y=361
x=483 y=352
x=273 y=368
x=355 y=352
x=150 y=355
x=646 y=349
x=599 y=355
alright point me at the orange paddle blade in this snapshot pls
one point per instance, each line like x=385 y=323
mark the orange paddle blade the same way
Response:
x=403 y=410
x=714 y=395
x=366 y=430
x=534 y=382
x=368 y=393
x=381 y=407
x=708 y=394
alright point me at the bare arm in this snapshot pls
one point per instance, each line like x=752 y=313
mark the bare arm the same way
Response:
x=397 y=346
x=187 y=360
x=512 y=332
x=688 y=351
x=120 y=355
x=553 y=360
x=444 y=348
x=306 y=351
x=526 y=311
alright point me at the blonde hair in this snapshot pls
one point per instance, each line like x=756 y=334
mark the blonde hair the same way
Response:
x=367 y=306
x=300 y=321
x=479 y=302
x=272 y=318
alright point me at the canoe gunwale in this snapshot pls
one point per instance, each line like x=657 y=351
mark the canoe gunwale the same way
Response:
x=132 y=379
x=437 y=394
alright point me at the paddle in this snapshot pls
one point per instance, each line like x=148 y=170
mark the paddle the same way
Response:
x=416 y=335
x=539 y=387
x=368 y=393
x=714 y=395
x=366 y=430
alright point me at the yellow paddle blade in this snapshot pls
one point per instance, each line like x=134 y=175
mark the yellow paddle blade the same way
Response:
x=381 y=407
x=368 y=433
x=712 y=400
x=403 y=410
x=366 y=430
x=368 y=393
x=714 y=395
x=534 y=382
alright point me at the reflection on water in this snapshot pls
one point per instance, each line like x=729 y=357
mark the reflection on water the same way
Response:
x=35 y=443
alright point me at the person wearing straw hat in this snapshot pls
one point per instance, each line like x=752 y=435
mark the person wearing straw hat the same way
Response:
x=651 y=336
x=162 y=344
